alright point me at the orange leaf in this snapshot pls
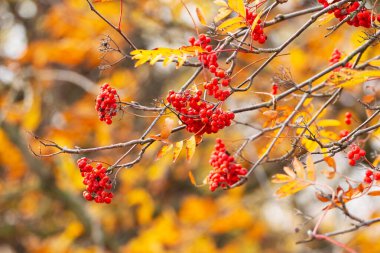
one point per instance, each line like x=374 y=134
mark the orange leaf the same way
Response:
x=167 y=129
x=330 y=162
x=200 y=16
x=192 y=179
x=190 y=147
x=198 y=139
x=374 y=193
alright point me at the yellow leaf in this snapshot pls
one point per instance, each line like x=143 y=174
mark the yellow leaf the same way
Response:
x=163 y=151
x=254 y=23
x=325 y=18
x=32 y=118
x=166 y=54
x=310 y=168
x=291 y=188
x=281 y=178
x=231 y=22
x=350 y=77
x=221 y=3
x=237 y=6
x=222 y=14
x=328 y=123
x=177 y=150
x=200 y=16
x=190 y=147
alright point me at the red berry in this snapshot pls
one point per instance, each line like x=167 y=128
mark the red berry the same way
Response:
x=347 y=121
x=368 y=180
x=376 y=176
x=348 y=115
x=369 y=173
x=352 y=162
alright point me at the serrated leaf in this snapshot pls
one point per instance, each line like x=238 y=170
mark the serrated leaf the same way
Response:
x=190 y=147
x=200 y=16
x=222 y=14
x=164 y=151
x=167 y=55
x=328 y=123
x=310 y=168
x=237 y=6
x=177 y=150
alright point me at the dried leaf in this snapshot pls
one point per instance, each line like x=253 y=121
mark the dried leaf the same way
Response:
x=299 y=169
x=310 y=168
x=330 y=162
x=200 y=16
x=237 y=6
x=190 y=147
x=290 y=172
x=177 y=150
x=198 y=139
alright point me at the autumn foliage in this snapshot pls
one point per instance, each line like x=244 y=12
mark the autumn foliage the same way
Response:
x=190 y=126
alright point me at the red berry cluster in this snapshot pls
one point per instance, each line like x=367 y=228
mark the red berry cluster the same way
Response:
x=208 y=58
x=335 y=57
x=363 y=18
x=347 y=120
x=213 y=87
x=106 y=103
x=343 y=133
x=97 y=181
x=199 y=116
x=257 y=33
x=275 y=89
x=370 y=176
x=226 y=171
x=355 y=154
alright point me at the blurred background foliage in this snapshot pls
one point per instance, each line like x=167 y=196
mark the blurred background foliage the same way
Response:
x=50 y=54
